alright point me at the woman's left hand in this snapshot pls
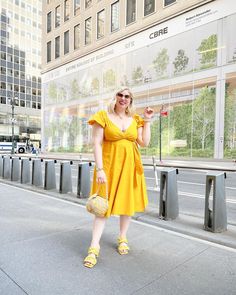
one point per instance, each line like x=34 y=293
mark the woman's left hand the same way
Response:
x=148 y=113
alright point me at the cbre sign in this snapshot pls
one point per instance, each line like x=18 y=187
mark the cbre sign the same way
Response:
x=158 y=33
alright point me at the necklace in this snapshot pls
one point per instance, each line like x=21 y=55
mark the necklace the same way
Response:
x=120 y=116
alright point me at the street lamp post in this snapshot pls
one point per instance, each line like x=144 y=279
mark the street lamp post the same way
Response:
x=163 y=113
x=13 y=122
x=160 y=134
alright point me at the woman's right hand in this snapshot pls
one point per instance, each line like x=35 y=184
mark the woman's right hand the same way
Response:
x=101 y=177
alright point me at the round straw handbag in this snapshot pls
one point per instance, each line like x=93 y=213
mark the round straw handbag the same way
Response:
x=98 y=205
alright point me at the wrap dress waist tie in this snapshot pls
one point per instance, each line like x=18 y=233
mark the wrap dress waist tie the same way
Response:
x=138 y=163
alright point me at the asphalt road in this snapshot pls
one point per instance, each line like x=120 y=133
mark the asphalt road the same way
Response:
x=191 y=191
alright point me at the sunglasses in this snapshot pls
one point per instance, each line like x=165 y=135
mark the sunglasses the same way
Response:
x=126 y=96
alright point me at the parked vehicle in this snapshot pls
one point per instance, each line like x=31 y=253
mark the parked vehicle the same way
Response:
x=20 y=147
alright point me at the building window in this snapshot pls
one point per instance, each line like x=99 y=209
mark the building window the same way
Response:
x=16 y=74
x=22 y=89
x=22 y=103
x=76 y=7
x=168 y=2
x=77 y=37
x=88 y=31
x=3 y=56
x=10 y=72
x=57 y=47
x=3 y=100
x=130 y=11
x=66 y=10
x=49 y=22
x=9 y=86
x=3 y=71
x=88 y=3
x=16 y=89
x=49 y=47
x=101 y=24
x=149 y=7
x=115 y=16
x=57 y=16
x=28 y=104
x=3 y=85
x=66 y=42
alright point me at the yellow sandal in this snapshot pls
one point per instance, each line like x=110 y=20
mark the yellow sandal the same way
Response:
x=91 y=260
x=123 y=247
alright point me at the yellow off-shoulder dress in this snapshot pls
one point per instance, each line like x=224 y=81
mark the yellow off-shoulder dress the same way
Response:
x=122 y=164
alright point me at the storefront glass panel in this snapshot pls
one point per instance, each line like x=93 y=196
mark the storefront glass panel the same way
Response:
x=178 y=79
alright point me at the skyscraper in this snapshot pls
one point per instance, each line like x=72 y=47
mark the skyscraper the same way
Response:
x=20 y=77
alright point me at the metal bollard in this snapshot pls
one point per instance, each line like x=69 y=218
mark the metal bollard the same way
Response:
x=169 y=205
x=37 y=178
x=83 y=186
x=1 y=166
x=6 y=167
x=15 y=169
x=50 y=175
x=25 y=170
x=65 y=178
x=215 y=218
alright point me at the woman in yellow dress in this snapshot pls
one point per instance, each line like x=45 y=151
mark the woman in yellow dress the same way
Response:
x=116 y=135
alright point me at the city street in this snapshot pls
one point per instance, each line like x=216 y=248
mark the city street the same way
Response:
x=191 y=190
x=132 y=90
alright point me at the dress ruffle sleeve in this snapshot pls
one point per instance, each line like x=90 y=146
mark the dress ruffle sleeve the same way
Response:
x=97 y=118
x=139 y=120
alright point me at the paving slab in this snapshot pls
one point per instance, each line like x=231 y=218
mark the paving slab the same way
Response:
x=44 y=241
x=8 y=286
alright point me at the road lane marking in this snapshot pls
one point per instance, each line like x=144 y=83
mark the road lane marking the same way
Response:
x=192 y=195
x=193 y=183
x=231 y=201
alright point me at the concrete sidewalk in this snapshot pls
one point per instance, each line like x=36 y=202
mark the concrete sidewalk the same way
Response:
x=44 y=240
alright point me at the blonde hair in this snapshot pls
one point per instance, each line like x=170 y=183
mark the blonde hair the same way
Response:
x=130 y=109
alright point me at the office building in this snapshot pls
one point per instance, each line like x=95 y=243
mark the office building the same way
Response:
x=20 y=76
x=178 y=57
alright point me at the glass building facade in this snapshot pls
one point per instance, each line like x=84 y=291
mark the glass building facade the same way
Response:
x=20 y=77
x=184 y=68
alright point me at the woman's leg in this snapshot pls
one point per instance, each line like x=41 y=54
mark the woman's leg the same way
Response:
x=124 y=225
x=98 y=227
x=123 y=247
